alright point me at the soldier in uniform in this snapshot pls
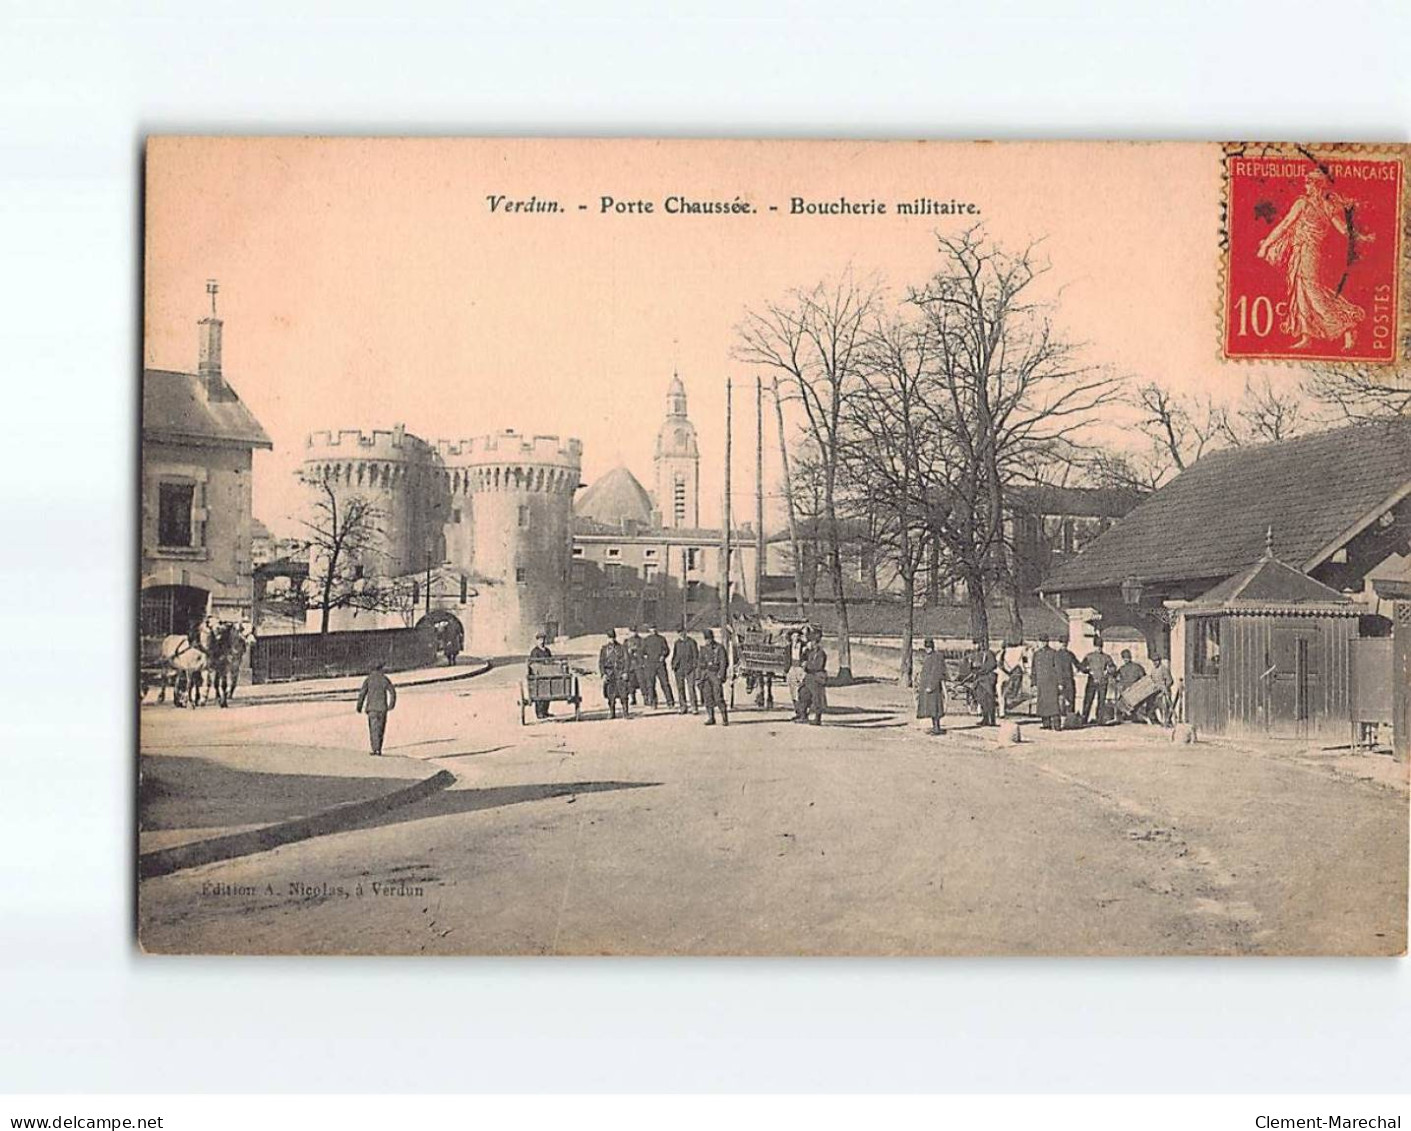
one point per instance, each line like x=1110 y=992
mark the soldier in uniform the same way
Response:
x=1097 y=665
x=685 y=655
x=930 y=687
x=633 y=674
x=1067 y=682
x=612 y=666
x=813 y=693
x=654 y=653
x=711 y=669
x=1046 y=688
x=984 y=671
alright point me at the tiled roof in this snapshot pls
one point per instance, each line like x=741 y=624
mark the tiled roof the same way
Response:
x=1211 y=520
x=175 y=406
x=1270 y=585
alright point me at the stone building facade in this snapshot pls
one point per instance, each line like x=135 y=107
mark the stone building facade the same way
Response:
x=198 y=440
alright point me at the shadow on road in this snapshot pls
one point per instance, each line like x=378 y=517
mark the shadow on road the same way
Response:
x=177 y=792
x=452 y=802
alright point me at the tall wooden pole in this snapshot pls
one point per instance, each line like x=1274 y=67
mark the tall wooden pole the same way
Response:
x=725 y=531
x=789 y=501
x=759 y=496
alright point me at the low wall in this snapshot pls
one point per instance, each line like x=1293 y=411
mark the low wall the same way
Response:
x=310 y=655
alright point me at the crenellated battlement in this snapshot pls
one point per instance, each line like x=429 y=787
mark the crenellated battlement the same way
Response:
x=382 y=444
x=512 y=446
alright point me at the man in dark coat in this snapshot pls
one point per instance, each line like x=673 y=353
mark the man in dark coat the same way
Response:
x=930 y=687
x=1097 y=665
x=376 y=697
x=685 y=655
x=1045 y=675
x=813 y=692
x=711 y=669
x=540 y=651
x=612 y=666
x=1067 y=682
x=654 y=653
x=984 y=672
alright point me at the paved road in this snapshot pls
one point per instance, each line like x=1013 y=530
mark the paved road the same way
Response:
x=659 y=835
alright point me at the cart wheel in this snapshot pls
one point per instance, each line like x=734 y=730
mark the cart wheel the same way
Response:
x=523 y=697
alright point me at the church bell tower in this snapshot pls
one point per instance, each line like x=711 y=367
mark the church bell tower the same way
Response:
x=678 y=463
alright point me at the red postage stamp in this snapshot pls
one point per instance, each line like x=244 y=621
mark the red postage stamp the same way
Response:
x=1313 y=257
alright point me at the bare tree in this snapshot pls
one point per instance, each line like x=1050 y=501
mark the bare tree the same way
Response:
x=1010 y=400
x=891 y=459
x=1266 y=413
x=1180 y=429
x=343 y=532
x=1358 y=393
x=813 y=341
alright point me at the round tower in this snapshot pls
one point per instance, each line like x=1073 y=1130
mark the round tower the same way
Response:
x=678 y=463
x=397 y=474
x=517 y=537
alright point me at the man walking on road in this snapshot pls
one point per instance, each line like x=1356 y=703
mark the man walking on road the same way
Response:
x=376 y=697
x=711 y=670
x=684 y=657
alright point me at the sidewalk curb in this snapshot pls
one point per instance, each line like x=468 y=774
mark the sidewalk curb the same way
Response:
x=316 y=695
x=164 y=861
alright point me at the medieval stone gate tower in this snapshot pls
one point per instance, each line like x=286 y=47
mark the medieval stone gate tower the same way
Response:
x=511 y=527
x=497 y=508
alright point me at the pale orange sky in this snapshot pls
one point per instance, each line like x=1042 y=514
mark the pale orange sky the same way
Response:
x=366 y=282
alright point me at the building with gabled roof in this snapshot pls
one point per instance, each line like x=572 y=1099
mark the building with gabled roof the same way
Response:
x=1281 y=545
x=198 y=440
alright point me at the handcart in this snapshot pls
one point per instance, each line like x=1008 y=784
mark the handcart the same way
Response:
x=550 y=681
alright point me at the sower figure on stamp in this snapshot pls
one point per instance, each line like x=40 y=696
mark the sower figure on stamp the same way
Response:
x=930 y=687
x=684 y=657
x=376 y=697
x=654 y=653
x=612 y=666
x=711 y=669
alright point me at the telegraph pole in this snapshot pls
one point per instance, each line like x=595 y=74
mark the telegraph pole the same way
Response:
x=789 y=501
x=759 y=495
x=725 y=530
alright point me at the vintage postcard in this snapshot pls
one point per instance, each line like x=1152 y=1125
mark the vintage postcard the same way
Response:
x=774 y=548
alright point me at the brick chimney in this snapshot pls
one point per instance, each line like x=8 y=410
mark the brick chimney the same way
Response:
x=209 y=365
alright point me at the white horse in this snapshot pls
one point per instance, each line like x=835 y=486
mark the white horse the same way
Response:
x=185 y=664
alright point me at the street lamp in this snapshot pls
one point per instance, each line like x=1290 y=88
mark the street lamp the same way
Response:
x=1131 y=590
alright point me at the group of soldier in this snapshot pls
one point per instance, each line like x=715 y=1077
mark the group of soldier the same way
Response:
x=1051 y=671
x=642 y=667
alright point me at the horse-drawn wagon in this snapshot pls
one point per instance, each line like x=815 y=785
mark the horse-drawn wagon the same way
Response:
x=549 y=681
